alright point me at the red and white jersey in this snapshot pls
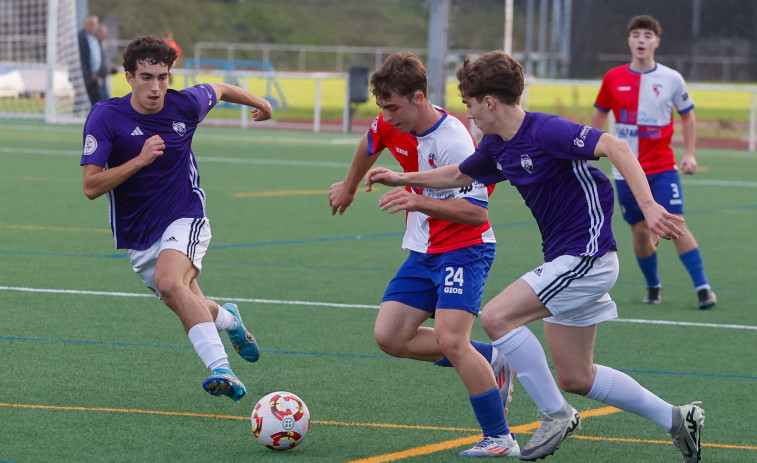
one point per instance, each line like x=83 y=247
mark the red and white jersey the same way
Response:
x=447 y=142
x=643 y=108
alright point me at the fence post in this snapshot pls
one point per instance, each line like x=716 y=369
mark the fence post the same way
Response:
x=317 y=108
x=753 y=122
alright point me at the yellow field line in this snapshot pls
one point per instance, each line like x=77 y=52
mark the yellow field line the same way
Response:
x=68 y=229
x=423 y=450
x=450 y=444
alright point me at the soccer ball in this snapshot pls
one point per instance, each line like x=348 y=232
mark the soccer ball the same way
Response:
x=280 y=420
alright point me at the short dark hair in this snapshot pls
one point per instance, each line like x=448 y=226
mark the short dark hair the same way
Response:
x=645 y=21
x=401 y=72
x=148 y=49
x=495 y=73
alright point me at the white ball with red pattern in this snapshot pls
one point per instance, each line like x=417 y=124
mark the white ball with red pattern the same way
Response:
x=280 y=420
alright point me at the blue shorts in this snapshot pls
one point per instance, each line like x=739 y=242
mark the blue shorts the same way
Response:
x=449 y=280
x=666 y=189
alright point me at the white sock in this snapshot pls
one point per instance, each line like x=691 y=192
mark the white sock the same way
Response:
x=616 y=388
x=208 y=345
x=526 y=356
x=225 y=321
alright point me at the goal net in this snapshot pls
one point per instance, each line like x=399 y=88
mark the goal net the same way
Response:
x=40 y=67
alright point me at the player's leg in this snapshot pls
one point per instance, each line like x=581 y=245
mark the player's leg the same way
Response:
x=179 y=262
x=504 y=319
x=228 y=318
x=460 y=276
x=667 y=191
x=691 y=258
x=643 y=247
x=452 y=328
x=572 y=353
x=410 y=299
x=399 y=333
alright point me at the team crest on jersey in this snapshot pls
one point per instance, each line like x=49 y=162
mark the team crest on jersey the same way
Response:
x=90 y=145
x=526 y=163
x=374 y=125
x=657 y=88
x=179 y=127
x=432 y=160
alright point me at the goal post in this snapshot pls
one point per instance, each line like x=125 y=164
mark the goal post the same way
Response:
x=40 y=65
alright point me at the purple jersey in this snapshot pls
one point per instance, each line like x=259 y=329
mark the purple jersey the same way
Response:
x=547 y=161
x=143 y=206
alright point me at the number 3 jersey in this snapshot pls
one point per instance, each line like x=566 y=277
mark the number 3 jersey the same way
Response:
x=448 y=142
x=144 y=205
x=643 y=108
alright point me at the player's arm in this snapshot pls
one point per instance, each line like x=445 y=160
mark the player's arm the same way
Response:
x=599 y=119
x=661 y=222
x=452 y=210
x=443 y=177
x=342 y=194
x=261 y=107
x=689 y=125
x=97 y=181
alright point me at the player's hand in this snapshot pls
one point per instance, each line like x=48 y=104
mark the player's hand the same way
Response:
x=688 y=164
x=398 y=199
x=340 y=197
x=261 y=114
x=662 y=223
x=382 y=175
x=153 y=147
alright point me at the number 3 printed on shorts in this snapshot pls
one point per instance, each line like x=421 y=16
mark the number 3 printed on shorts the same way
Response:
x=676 y=192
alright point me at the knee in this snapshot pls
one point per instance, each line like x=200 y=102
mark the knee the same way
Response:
x=575 y=383
x=494 y=323
x=452 y=346
x=389 y=343
x=167 y=288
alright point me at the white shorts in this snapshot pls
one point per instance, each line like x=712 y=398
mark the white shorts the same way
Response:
x=575 y=288
x=190 y=237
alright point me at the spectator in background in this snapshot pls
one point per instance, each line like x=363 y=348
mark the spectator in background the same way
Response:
x=91 y=54
x=170 y=41
x=106 y=68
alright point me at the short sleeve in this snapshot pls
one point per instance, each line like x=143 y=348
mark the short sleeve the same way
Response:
x=564 y=139
x=376 y=141
x=603 y=101
x=481 y=168
x=98 y=138
x=204 y=97
x=681 y=99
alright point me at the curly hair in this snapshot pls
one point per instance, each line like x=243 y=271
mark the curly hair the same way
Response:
x=148 y=49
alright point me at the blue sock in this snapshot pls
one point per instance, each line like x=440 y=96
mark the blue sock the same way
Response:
x=692 y=260
x=484 y=348
x=490 y=413
x=648 y=267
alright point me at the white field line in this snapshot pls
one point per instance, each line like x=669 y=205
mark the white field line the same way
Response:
x=327 y=164
x=201 y=159
x=332 y=304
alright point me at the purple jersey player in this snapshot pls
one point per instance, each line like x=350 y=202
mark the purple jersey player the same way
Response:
x=546 y=158
x=138 y=152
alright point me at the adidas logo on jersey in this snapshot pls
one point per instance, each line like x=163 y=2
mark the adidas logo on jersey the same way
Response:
x=137 y=131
